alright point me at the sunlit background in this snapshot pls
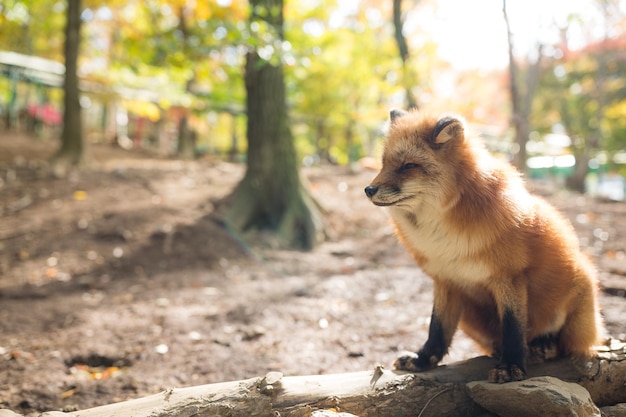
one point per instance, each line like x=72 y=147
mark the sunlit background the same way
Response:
x=145 y=64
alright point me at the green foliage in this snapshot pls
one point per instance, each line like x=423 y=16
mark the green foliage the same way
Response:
x=341 y=63
x=338 y=75
x=586 y=93
x=341 y=66
x=33 y=27
x=614 y=125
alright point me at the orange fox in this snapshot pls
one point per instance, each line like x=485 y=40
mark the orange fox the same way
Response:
x=506 y=265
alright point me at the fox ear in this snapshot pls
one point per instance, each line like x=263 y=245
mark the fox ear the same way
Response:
x=447 y=128
x=395 y=114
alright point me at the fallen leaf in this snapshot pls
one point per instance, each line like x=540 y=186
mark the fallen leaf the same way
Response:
x=80 y=195
x=68 y=393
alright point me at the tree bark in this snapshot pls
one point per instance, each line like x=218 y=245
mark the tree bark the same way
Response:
x=234 y=138
x=403 y=48
x=521 y=102
x=71 y=151
x=576 y=181
x=186 y=140
x=380 y=393
x=270 y=196
x=593 y=141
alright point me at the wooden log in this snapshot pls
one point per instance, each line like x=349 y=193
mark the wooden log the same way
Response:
x=379 y=392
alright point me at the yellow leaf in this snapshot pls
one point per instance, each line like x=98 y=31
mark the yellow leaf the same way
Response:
x=202 y=11
x=68 y=393
x=80 y=195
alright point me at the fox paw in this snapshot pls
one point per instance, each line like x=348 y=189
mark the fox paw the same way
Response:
x=412 y=362
x=586 y=365
x=543 y=348
x=506 y=373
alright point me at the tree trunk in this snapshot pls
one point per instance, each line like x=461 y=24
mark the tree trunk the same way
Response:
x=521 y=101
x=270 y=196
x=576 y=181
x=377 y=393
x=322 y=144
x=11 y=114
x=71 y=151
x=186 y=139
x=233 y=153
x=403 y=48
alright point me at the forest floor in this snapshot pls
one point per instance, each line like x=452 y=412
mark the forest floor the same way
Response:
x=116 y=282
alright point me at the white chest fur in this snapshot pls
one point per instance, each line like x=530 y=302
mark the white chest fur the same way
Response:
x=449 y=255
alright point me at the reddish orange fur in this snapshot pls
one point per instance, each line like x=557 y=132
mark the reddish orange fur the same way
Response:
x=469 y=222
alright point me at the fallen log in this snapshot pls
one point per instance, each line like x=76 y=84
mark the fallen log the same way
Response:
x=379 y=392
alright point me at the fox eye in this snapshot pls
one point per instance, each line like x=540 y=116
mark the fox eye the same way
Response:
x=408 y=165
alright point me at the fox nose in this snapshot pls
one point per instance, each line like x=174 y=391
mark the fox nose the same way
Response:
x=371 y=190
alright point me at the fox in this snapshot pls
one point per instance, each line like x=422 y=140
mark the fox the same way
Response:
x=506 y=265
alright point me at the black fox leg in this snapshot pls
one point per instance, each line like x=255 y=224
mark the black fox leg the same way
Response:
x=447 y=308
x=430 y=354
x=512 y=366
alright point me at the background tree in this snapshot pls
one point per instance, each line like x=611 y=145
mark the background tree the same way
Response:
x=521 y=95
x=71 y=151
x=403 y=48
x=340 y=115
x=583 y=91
x=32 y=27
x=188 y=56
x=270 y=196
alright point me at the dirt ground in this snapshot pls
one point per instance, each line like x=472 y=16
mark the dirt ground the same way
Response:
x=116 y=283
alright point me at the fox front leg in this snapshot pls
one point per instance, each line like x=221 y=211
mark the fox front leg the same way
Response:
x=430 y=354
x=512 y=366
x=443 y=323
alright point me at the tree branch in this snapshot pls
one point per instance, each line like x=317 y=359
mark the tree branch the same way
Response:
x=380 y=393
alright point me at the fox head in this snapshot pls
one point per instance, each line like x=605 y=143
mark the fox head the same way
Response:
x=421 y=158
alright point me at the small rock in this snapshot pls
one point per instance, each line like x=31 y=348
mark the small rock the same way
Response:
x=618 y=410
x=8 y=413
x=541 y=396
x=355 y=353
x=253 y=333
